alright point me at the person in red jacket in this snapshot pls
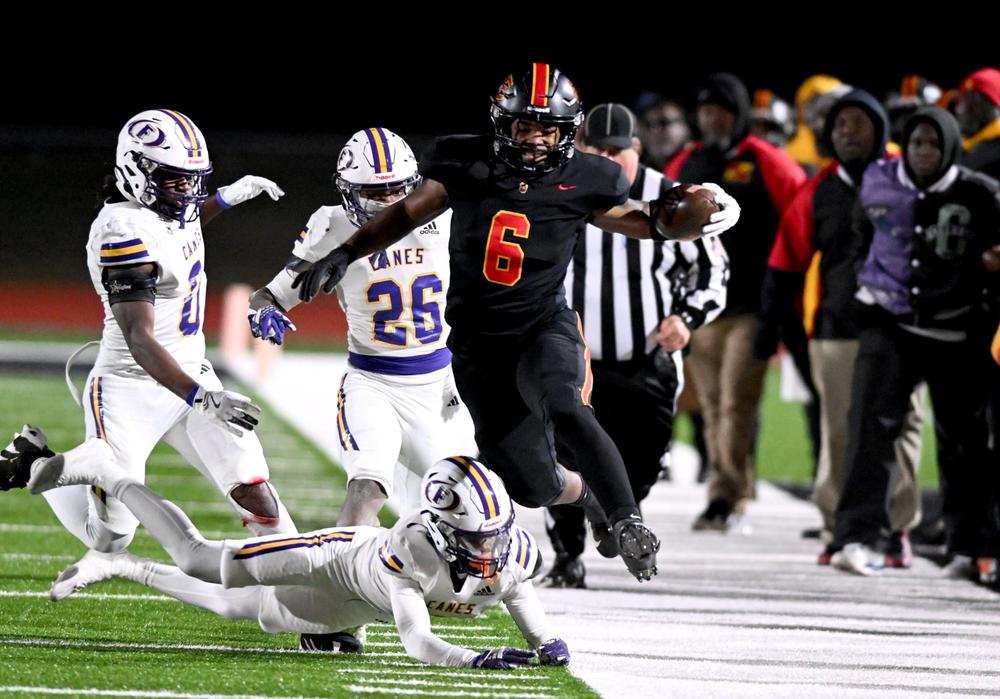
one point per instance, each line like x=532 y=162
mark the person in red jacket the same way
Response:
x=729 y=379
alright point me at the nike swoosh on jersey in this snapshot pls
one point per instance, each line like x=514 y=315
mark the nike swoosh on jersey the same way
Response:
x=565 y=187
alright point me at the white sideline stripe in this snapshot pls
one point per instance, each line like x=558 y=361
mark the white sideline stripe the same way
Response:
x=91 y=595
x=380 y=644
x=96 y=692
x=493 y=684
x=438 y=693
x=53 y=643
x=54 y=529
x=84 y=645
x=35 y=557
x=440 y=627
x=436 y=671
x=40 y=528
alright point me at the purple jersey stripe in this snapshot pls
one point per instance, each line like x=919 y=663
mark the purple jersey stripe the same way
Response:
x=122 y=244
x=125 y=258
x=401 y=366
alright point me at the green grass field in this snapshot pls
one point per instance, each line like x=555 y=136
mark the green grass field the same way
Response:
x=783 y=451
x=121 y=639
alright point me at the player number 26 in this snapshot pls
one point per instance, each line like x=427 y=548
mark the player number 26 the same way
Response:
x=504 y=257
x=389 y=325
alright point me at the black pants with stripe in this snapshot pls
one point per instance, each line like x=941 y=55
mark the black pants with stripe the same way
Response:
x=530 y=400
x=634 y=402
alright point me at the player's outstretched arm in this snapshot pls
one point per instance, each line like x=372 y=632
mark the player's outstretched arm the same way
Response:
x=414 y=624
x=526 y=610
x=240 y=191
x=704 y=210
x=425 y=203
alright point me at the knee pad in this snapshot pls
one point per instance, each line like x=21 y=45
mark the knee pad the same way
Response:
x=256 y=502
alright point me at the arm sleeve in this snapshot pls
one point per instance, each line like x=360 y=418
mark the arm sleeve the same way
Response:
x=704 y=296
x=281 y=288
x=526 y=610
x=414 y=624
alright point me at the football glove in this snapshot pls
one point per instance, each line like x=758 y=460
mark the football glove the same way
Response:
x=502 y=658
x=226 y=409
x=728 y=214
x=245 y=189
x=326 y=272
x=269 y=323
x=553 y=652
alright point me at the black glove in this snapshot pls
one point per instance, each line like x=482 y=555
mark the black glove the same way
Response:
x=326 y=272
x=765 y=341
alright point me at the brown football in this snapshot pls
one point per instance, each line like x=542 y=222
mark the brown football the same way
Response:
x=685 y=210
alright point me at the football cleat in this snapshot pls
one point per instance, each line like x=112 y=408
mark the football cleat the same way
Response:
x=16 y=459
x=567 y=571
x=339 y=642
x=638 y=546
x=92 y=568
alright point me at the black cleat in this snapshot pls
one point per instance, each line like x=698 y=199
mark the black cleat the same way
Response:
x=16 y=458
x=567 y=571
x=638 y=546
x=604 y=537
x=340 y=642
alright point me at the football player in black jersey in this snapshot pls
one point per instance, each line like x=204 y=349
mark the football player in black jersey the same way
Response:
x=520 y=197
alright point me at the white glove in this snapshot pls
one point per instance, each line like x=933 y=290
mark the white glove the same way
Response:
x=225 y=408
x=245 y=189
x=728 y=214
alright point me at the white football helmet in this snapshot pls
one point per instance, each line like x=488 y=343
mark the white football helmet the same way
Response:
x=375 y=169
x=162 y=163
x=468 y=515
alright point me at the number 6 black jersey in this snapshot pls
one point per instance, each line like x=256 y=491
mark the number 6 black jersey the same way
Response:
x=513 y=235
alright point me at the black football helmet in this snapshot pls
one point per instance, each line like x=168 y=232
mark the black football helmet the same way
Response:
x=543 y=94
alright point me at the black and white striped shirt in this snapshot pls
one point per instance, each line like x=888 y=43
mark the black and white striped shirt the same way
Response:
x=623 y=287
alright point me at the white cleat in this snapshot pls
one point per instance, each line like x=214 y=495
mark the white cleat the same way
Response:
x=92 y=568
x=47 y=474
x=91 y=463
x=858 y=559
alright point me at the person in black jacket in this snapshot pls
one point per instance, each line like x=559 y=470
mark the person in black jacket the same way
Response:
x=928 y=316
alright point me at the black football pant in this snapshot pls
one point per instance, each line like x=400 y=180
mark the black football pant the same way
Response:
x=531 y=398
x=635 y=403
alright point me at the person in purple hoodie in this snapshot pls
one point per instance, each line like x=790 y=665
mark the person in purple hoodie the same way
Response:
x=928 y=303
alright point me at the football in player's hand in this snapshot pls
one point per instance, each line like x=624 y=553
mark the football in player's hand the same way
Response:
x=684 y=210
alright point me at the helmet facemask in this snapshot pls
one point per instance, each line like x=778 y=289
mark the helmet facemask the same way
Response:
x=173 y=193
x=480 y=554
x=512 y=152
x=468 y=516
x=363 y=201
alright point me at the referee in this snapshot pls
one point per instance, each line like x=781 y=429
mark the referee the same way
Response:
x=639 y=300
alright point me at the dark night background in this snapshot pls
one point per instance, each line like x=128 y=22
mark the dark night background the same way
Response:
x=279 y=102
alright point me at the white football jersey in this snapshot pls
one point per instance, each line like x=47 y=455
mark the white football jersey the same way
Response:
x=360 y=562
x=394 y=299
x=127 y=233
